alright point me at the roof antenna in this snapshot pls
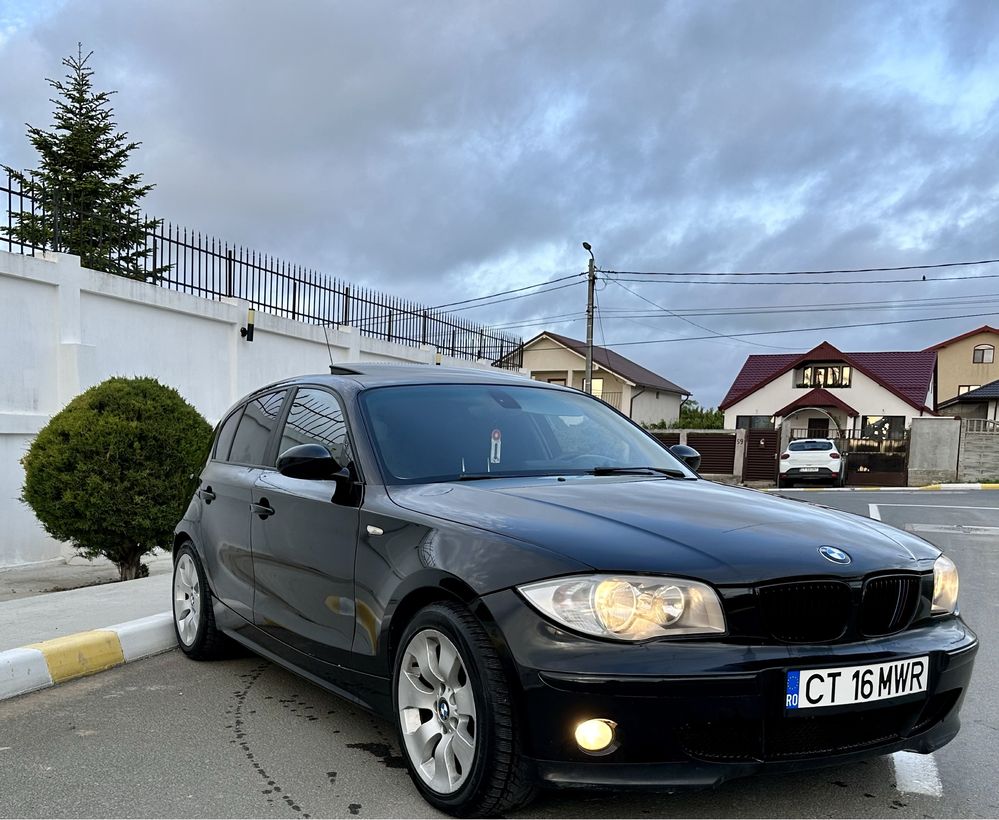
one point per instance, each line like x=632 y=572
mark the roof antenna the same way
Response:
x=329 y=349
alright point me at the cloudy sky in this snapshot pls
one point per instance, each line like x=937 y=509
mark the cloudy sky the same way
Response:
x=443 y=150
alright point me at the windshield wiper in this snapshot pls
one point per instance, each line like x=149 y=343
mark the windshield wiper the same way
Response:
x=484 y=476
x=638 y=471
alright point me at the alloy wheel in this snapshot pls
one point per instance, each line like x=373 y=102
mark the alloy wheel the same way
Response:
x=186 y=599
x=437 y=711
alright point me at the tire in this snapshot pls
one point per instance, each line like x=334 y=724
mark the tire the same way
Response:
x=783 y=483
x=193 y=616
x=464 y=758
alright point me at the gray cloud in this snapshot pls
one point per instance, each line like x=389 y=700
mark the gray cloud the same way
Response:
x=443 y=149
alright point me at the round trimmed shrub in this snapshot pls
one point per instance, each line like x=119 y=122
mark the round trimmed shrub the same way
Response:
x=111 y=472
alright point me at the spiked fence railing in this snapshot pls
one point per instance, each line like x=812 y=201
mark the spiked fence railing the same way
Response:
x=194 y=262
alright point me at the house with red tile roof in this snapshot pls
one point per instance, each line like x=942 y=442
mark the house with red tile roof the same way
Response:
x=826 y=391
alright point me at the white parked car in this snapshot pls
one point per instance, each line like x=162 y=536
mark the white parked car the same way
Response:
x=811 y=459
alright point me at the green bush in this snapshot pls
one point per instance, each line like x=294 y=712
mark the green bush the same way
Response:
x=110 y=472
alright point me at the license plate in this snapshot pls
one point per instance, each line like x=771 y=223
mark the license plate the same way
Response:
x=808 y=470
x=842 y=686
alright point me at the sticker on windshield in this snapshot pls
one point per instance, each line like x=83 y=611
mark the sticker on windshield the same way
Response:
x=495 y=447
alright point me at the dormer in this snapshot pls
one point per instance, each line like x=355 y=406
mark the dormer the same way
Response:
x=828 y=375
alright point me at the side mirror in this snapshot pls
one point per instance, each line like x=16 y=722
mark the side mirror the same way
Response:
x=688 y=455
x=310 y=461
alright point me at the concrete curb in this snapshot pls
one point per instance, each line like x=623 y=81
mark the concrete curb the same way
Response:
x=881 y=489
x=39 y=665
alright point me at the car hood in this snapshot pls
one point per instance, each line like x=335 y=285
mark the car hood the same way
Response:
x=726 y=535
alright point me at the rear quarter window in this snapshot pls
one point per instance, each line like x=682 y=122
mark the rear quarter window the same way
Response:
x=223 y=441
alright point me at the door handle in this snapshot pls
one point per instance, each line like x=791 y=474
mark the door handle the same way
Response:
x=206 y=495
x=262 y=508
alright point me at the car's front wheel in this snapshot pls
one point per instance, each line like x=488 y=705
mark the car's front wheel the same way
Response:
x=193 y=618
x=454 y=711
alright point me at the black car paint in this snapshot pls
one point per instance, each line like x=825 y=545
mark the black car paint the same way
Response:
x=330 y=609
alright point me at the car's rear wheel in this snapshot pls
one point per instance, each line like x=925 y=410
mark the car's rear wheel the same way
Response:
x=457 y=728
x=193 y=617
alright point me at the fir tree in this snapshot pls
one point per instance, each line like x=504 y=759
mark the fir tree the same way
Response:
x=85 y=202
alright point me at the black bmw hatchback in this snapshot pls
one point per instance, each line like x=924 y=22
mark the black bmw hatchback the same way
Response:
x=536 y=592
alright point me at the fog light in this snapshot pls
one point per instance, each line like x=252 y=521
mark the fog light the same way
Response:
x=595 y=735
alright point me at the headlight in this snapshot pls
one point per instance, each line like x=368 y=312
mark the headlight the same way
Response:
x=627 y=607
x=945 y=586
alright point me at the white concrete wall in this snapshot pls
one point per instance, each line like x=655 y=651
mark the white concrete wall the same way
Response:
x=864 y=395
x=934 y=445
x=67 y=328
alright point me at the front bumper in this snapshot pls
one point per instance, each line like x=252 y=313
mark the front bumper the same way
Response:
x=696 y=713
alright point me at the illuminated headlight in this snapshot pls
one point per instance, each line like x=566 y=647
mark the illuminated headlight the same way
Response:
x=627 y=607
x=945 y=584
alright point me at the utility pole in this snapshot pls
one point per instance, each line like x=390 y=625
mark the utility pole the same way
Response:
x=591 y=282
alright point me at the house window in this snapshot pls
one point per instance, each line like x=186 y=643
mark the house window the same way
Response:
x=883 y=427
x=825 y=375
x=983 y=354
x=598 y=388
x=754 y=422
x=965 y=388
x=557 y=381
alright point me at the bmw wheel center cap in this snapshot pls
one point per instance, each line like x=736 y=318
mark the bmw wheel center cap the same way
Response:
x=837 y=556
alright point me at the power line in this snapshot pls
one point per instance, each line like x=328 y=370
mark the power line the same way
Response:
x=945 y=302
x=802 y=272
x=571 y=317
x=920 y=303
x=691 y=321
x=794 y=283
x=519 y=296
x=791 y=330
x=505 y=292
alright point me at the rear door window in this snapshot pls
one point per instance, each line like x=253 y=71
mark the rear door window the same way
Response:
x=249 y=446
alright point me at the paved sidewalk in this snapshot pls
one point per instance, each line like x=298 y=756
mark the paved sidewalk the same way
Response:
x=56 y=576
x=56 y=614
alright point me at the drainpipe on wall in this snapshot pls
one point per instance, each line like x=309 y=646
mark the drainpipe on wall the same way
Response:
x=631 y=404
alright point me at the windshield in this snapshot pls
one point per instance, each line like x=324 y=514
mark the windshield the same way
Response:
x=443 y=432
x=806 y=446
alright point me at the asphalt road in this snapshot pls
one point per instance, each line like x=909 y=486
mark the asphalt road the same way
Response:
x=170 y=737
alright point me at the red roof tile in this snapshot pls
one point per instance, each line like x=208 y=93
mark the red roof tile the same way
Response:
x=907 y=374
x=819 y=397
x=982 y=329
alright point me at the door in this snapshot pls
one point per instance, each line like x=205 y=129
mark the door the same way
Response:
x=225 y=491
x=818 y=428
x=761 y=455
x=303 y=549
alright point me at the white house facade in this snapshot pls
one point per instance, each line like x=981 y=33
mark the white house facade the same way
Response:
x=828 y=392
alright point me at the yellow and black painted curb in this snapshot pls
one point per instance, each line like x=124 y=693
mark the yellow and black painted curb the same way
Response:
x=47 y=663
x=924 y=488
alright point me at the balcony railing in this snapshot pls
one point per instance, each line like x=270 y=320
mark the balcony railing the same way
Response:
x=613 y=399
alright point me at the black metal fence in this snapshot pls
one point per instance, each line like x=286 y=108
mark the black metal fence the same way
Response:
x=193 y=262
